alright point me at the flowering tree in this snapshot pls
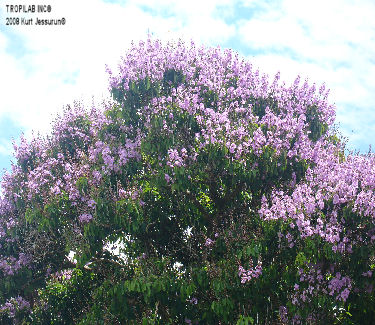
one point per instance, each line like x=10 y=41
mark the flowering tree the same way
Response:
x=226 y=199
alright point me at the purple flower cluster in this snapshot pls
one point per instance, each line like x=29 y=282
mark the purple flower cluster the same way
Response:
x=247 y=275
x=209 y=242
x=85 y=218
x=11 y=265
x=340 y=286
x=175 y=159
x=14 y=305
x=313 y=281
x=63 y=275
x=330 y=185
x=193 y=301
x=283 y=313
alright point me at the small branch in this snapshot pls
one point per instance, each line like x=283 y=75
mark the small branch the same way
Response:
x=102 y=260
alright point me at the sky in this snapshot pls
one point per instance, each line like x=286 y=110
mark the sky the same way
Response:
x=44 y=68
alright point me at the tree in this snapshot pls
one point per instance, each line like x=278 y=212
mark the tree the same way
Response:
x=228 y=198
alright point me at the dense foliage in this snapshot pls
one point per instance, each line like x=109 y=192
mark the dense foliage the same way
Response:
x=202 y=194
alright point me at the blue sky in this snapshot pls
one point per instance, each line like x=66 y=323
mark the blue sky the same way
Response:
x=43 y=68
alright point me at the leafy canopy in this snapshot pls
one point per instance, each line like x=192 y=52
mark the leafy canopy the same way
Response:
x=202 y=193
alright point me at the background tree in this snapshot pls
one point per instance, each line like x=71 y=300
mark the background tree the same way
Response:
x=229 y=200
